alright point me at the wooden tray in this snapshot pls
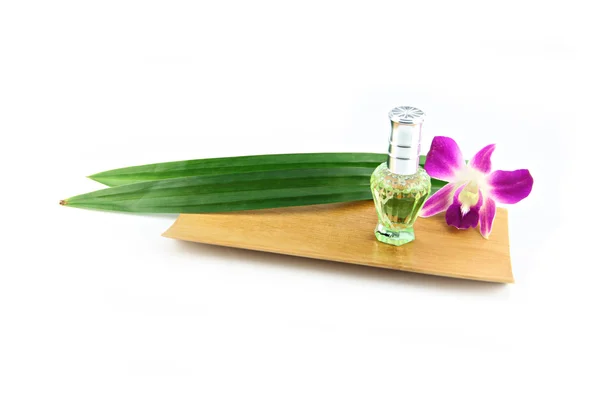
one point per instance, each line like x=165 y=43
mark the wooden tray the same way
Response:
x=344 y=233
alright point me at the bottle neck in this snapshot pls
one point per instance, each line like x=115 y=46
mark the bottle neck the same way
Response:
x=402 y=167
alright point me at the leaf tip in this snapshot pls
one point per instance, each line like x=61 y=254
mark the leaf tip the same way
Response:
x=63 y=202
x=98 y=178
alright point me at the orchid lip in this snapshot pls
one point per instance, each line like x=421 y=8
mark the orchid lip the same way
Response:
x=455 y=215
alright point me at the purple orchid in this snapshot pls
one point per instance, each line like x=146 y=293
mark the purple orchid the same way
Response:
x=473 y=189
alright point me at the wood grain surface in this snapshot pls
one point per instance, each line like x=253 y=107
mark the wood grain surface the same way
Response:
x=344 y=233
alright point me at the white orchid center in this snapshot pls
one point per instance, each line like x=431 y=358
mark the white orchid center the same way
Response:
x=474 y=182
x=468 y=197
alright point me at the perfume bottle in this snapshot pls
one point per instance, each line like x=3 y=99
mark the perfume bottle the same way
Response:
x=400 y=186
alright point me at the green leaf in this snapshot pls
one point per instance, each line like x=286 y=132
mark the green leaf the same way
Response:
x=229 y=165
x=235 y=191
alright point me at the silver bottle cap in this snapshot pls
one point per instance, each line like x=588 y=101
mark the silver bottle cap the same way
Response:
x=405 y=140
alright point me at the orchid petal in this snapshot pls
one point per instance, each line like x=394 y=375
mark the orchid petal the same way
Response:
x=486 y=217
x=444 y=159
x=438 y=202
x=482 y=160
x=510 y=187
x=455 y=216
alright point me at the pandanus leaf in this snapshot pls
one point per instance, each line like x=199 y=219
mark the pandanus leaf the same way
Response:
x=236 y=183
x=234 y=165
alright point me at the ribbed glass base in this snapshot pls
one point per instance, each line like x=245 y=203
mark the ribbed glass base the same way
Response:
x=396 y=238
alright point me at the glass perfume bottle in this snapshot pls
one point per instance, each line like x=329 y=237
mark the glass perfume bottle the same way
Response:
x=400 y=186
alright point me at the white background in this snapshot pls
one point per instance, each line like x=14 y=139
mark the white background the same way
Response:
x=99 y=306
